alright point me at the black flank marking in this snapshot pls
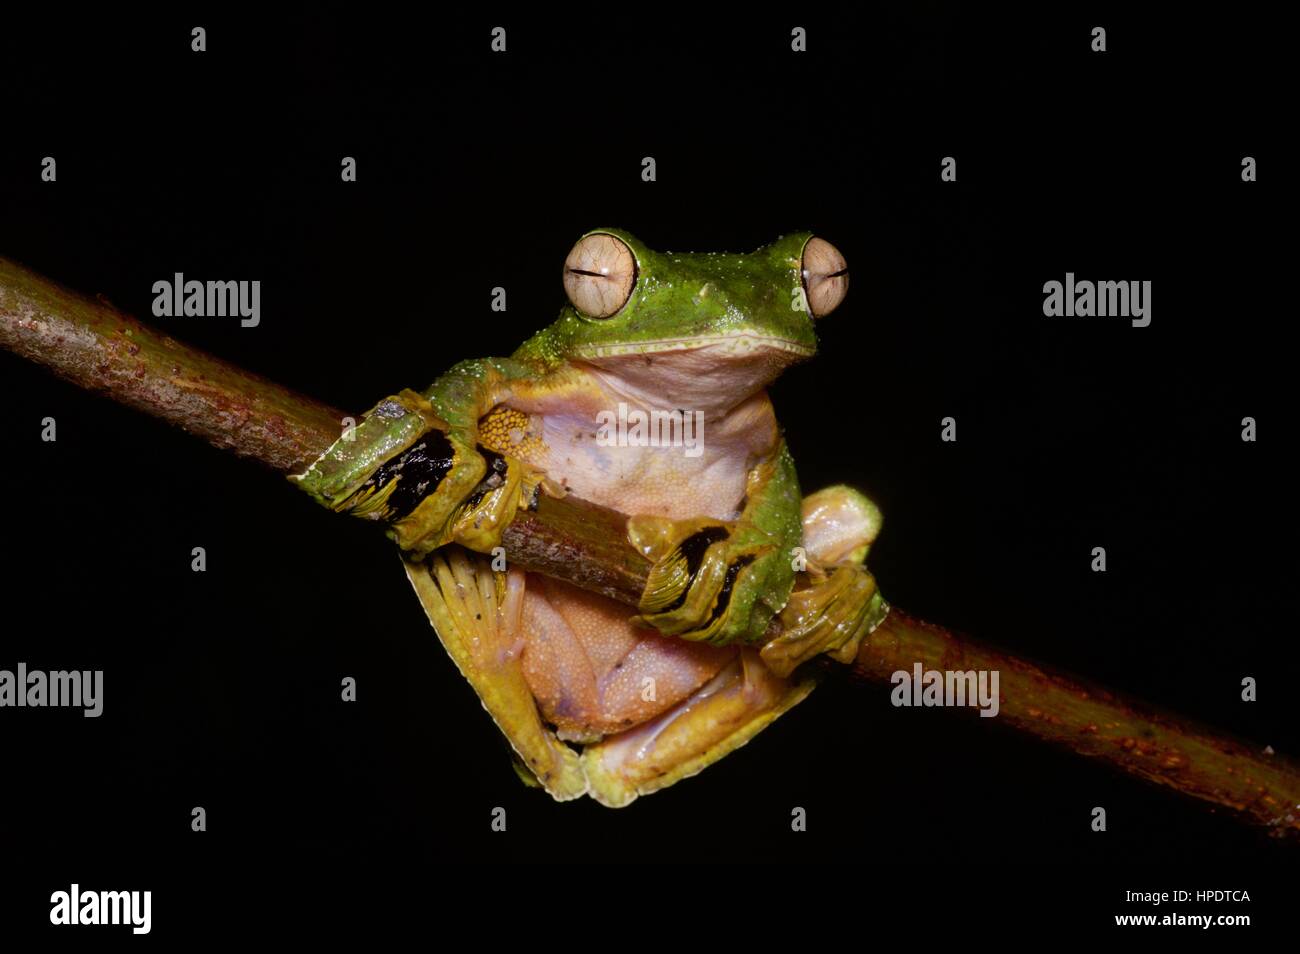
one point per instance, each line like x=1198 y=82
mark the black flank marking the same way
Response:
x=693 y=548
x=416 y=470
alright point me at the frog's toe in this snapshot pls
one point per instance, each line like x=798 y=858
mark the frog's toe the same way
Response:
x=831 y=617
x=508 y=484
x=842 y=605
x=839 y=525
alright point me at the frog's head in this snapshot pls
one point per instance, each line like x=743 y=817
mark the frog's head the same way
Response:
x=714 y=326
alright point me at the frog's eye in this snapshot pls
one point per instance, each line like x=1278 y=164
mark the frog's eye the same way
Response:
x=599 y=274
x=825 y=276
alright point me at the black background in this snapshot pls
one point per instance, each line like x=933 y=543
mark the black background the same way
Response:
x=477 y=170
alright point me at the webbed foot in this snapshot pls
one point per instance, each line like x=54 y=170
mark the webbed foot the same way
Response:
x=696 y=589
x=842 y=605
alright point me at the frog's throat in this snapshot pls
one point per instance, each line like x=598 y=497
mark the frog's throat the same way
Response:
x=740 y=343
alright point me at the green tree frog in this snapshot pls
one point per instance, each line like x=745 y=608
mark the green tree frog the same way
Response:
x=678 y=349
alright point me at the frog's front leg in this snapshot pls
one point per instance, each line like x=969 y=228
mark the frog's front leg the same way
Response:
x=415 y=462
x=840 y=605
x=723 y=581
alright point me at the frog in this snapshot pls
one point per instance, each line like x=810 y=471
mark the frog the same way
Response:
x=597 y=698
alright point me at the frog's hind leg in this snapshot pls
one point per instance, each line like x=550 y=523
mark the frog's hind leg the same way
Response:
x=721 y=716
x=476 y=613
x=831 y=615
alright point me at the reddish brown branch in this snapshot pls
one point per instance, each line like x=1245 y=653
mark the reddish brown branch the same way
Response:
x=96 y=347
x=93 y=345
x=1138 y=739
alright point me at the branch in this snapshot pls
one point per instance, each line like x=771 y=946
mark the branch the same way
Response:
x=1137 y=739
x=94 y=346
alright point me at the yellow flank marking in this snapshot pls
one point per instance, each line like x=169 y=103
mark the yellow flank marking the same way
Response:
x=509 y=431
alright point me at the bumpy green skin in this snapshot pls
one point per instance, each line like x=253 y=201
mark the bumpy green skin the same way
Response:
x=679 y=300
x=460 y=396
x=747 y=294
x=763 y=589
x=388 y=428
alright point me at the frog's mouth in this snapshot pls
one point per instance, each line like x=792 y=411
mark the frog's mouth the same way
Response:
x=711 y=375
x=740 y=345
